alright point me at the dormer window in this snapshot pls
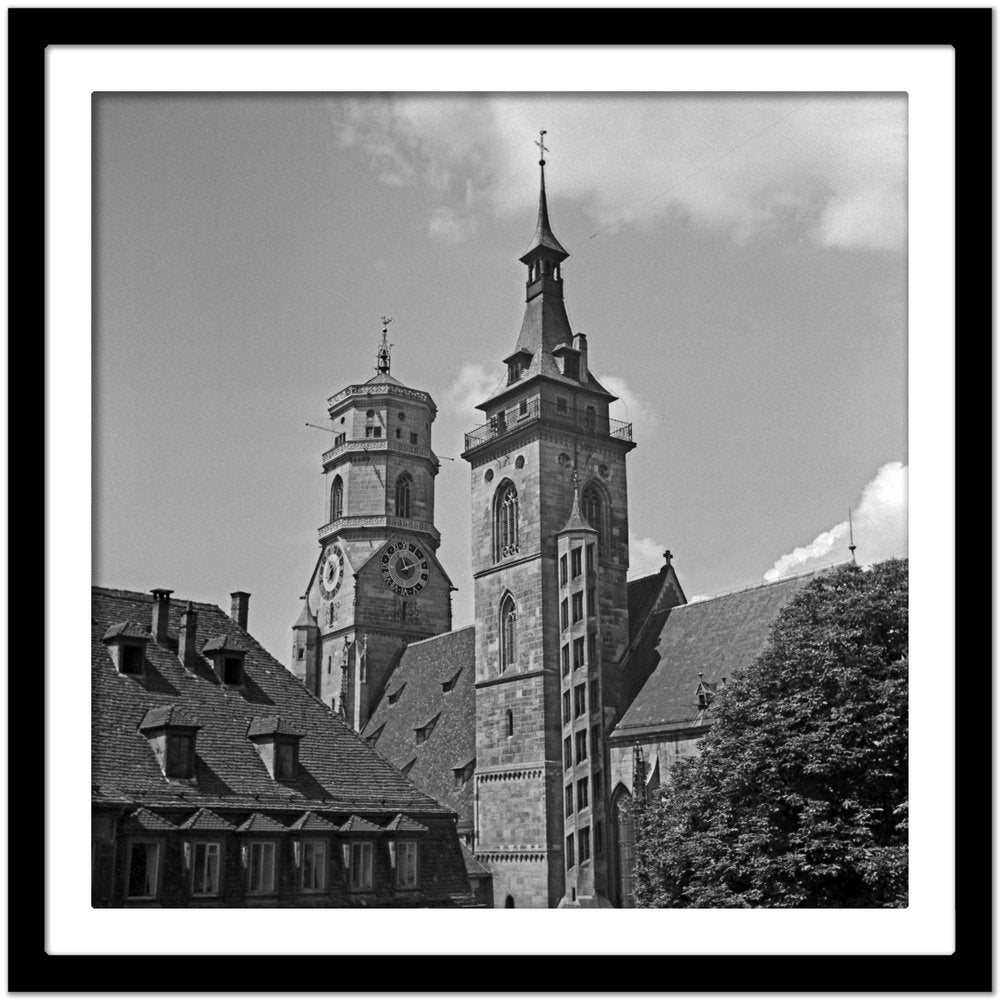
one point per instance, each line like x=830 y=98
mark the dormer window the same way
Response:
x=423 y=732
x=227 y=653
x=463 y=773
x=126 y=642
x=172 y=733
x=277 y=744
x=449 y=684
x=517 y=365
x=706 y=693
x=394 y=695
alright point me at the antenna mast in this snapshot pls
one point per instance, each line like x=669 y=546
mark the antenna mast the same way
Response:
x=850 y=524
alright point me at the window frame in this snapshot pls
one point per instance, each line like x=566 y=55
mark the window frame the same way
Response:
x=179 y=750
x=265 y=846
x=578 y=607
x=197 y=893
x=579 y=700
x=157 y=844
x=415 y=884
x=314 y=843
x=582 y=799
x=576 y=561
x=581 y=745
x=132 y=657
x=508 y=632
x=365 y=849
x=506 y=521
x=402 y=504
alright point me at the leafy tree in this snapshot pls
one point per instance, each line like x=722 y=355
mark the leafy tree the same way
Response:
x=799 y=795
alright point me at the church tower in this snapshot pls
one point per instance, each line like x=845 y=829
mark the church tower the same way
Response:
x=550 y=557
x=376 y=584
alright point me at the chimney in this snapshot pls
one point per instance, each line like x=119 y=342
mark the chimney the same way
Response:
x=241 y=605
x=580 y=343
x=161 y=615
x=186 y=648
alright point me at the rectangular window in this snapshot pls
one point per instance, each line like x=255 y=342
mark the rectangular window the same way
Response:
x=339 y=440
x=578 y=652
x=131 y=659
x=180 y=755
x=580 y=696
x=576 y=557
x=143 y=869
x=569 y=800
x=568 y=751
x=591 y=601
x=261 y=867
x=581 y=746
x=569 y=852
x=562 y=570
x=406 y=864
x=583 y=838
x=564 y=613
x=413 y=438
x=361 y=866
x=313 y=865
x=597 y=786
x=581 y=794
x=567 y=713
x=590 y=558
x=377 y=432
x=595 y=740
x=594 y=704
x=598 y=839
x=205 y=869
x=561 y=404
x=522 y=408
x=565 y=660
x=285 y=754
x=578 y=606
x=399 y=434
x=592 y=649
x=232 y=670
x=299 y=653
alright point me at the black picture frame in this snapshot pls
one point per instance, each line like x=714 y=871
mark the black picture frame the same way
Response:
x=31 y=31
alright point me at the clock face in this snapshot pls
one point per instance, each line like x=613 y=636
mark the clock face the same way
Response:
x=404 y=568
x=331 y=571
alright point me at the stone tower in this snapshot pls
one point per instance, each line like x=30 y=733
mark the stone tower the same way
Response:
x=376 y=584
x=549 y=559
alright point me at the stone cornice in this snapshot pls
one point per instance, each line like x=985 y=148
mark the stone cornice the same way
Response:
x=334 y=456
x=381 y=523
x=514 y=675
x=369 y=390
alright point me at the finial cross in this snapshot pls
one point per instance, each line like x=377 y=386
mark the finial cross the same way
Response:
x=542 y=148
x=386 y=320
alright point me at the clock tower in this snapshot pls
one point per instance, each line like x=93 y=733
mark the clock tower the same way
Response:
x=377 y=583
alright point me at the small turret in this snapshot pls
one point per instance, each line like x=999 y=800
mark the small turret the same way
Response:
x=305 y=647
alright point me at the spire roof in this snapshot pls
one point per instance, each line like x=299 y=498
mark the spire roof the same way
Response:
x=544 y=238
x=577 y=522
x=307 y=619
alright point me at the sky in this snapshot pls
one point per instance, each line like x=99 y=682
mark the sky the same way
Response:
x=738 y=263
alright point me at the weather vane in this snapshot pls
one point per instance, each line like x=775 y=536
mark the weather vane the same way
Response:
x=382 y=367
x=542 y=148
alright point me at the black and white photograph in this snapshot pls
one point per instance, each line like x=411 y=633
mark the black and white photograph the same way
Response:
x=500 y=500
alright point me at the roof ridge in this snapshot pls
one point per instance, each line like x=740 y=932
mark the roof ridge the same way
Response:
x=147 y=597
x=441 y=635
x=760 y=586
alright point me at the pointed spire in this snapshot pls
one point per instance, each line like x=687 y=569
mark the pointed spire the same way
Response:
x=544 y=238
x=306 y=619
x=577 y=522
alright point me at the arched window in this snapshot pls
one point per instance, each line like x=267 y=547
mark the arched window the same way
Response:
x=621 y=810
x=595 y=510
x=403 y=494
x=337 y=499
x=509 y=903
x=505 y=521
x=508 y=633
x=510 y=722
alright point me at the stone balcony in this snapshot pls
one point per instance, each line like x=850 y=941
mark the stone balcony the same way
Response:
x=381 y=523
x=369 y=445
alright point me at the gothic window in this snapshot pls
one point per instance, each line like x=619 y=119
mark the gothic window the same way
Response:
x=621 y=810
x=337 y=499
x=508 y=633
x=403 y=484
x=595 y=510
x=510 y=722
x=505 y=522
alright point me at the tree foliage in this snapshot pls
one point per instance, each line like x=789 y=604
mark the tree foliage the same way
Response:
x=799 y=795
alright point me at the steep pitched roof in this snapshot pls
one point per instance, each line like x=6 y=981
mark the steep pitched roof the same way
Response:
x=338 y=771
x=424 y=669
x=707 y=640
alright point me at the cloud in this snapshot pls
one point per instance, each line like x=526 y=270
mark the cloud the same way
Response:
x=829 y=169
x=472 y=385
x=879 y=529
x=448 y=227
x=628 y=407
x=644 y=556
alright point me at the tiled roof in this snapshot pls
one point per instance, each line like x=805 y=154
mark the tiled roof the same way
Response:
x=225 y=643
x=259 y=823
x=205 y=819
x=405 y=824
x=126 y=630
x=168 y=715
x=338 y=771
x=706 y=641
x=271 y=725
x=422 y=670
x=309 y=822
x=143 y=819
x=357 y=824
